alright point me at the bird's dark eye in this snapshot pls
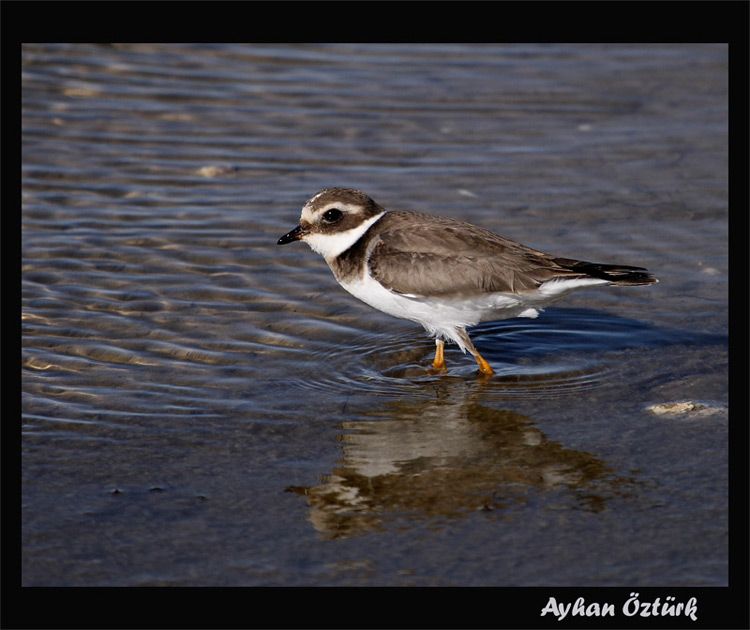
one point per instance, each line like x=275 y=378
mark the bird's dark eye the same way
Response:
x=332 y=215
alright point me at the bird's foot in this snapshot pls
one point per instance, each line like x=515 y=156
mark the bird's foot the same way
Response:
x=485 y=369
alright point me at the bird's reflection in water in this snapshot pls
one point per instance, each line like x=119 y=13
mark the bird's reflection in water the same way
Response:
x=448 y=457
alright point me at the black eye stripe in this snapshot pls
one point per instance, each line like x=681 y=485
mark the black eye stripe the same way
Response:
x=332 y=215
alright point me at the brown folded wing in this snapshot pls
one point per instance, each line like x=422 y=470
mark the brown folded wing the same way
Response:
x=426 y=255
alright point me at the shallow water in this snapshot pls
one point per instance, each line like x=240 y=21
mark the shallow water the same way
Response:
x=202 y=407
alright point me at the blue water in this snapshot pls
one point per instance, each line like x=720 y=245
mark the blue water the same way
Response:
x=202 y=407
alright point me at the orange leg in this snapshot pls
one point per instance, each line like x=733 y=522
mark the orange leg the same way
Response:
x=485 y=369
x=439 y=362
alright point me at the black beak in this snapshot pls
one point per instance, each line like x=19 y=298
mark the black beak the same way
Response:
x=295 y=235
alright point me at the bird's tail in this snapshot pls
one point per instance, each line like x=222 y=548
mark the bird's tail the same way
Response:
x=624 y=275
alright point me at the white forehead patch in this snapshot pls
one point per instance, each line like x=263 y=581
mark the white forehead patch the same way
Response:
x=311 y=216
x=336 y=243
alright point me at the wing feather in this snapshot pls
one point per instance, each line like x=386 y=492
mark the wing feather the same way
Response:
x=439 y=255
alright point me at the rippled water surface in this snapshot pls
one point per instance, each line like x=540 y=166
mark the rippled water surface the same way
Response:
x=202 y=407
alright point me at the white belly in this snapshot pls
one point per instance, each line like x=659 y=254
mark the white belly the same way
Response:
x=439 y=315
x=443 y=316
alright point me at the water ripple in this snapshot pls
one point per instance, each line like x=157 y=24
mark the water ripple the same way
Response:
x=168 y=343
x=562 y=353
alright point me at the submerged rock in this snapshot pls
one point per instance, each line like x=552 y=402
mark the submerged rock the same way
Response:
x=689 y=408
